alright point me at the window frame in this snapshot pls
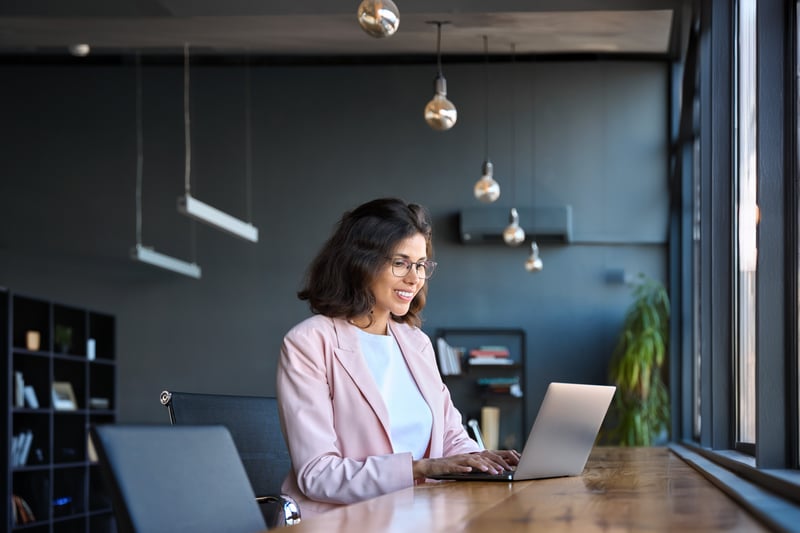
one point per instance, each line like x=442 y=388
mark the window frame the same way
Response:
x=773 y=463
x=771 y=322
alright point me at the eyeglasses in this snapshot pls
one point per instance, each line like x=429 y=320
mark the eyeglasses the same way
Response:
x=401 y=267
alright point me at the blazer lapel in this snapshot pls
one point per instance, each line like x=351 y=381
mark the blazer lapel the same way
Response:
x=349 y=355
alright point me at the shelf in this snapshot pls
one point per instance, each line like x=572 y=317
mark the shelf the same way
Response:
x=489 y=367
x=500 y=397
x=60 y=484
x=470 y=397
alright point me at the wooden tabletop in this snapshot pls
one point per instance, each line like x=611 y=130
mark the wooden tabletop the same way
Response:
x=621 y=489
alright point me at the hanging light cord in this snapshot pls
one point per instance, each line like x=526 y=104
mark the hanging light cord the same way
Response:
x=533 y=132
x=486 y=103
x=248 y=144
x=534 y=246
x=513 y=127
x=186 y=121
x=439 y=47
x=187 y=137
x=139 y=156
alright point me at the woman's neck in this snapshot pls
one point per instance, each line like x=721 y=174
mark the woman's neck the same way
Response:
x=372 y=324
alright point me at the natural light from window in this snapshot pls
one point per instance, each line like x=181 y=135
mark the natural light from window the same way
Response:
x=747 y=221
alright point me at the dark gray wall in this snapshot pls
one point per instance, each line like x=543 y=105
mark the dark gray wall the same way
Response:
x=588 y=134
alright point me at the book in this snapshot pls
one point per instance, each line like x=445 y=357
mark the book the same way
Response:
x=15 y=440
x=22 y=511
x=494 y=347
x=477 y=352
x=91 y=451
x=490 y=352
x=490 y=361
x=441 y=352
x=501 y=385
x=27 y=439
x=99 y=403
x=19 y=389
x=20 y=448
x=449 y=357
x=30 y=397
x=489 y=382
x=490 y=355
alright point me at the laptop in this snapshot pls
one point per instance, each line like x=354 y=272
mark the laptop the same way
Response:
x=562 y=435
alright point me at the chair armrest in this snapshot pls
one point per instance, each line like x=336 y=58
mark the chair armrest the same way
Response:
x=279 y=510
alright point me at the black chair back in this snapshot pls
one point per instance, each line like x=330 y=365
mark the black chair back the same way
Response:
x=255 y=427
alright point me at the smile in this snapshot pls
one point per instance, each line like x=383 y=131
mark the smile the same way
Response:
x=405 y=295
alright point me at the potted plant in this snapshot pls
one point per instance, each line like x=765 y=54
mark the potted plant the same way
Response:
x=63 y=338
x=641 y=403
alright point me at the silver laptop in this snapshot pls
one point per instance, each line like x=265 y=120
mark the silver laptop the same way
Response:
x=562 y=435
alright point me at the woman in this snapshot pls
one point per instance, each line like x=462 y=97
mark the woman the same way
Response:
x=362 y=404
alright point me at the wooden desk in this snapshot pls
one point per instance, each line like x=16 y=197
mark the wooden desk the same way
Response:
x=621 y=489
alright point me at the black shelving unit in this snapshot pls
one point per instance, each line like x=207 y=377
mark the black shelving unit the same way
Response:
x=58 y=478
x=465 y=387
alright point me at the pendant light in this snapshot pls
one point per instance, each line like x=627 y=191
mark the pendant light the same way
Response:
x=379 y=18
x=79 y=49
x=140 y=252
x=440 y=113
x=188 y=204
x=486 y=189
x=513 y=235
x=534 y=262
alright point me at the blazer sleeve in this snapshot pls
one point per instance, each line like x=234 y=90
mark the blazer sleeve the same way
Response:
x=309 y=418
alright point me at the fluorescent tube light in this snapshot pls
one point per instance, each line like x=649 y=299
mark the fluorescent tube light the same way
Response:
x=148 y=255
x=212 y=216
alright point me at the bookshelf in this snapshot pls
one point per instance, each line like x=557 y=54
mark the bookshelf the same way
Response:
x=500 y=384
x=50 y=473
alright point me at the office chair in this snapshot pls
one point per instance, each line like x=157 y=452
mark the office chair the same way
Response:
x=167 y=479
x=254 y=425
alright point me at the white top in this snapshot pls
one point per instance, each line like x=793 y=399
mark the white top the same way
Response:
x=410 y=417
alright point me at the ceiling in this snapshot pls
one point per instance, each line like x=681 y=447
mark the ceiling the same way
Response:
x=328 y=28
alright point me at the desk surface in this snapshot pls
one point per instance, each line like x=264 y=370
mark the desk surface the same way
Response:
x=621 y=489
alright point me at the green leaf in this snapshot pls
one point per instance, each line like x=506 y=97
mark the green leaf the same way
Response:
x=641 y=405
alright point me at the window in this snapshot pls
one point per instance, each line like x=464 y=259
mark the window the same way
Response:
x=739 y=358
x=745 y=178
x=697 y=354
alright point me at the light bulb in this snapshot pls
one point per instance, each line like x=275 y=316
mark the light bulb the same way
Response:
x=534 y=263
x=379 y=18
x=487 y=190
x=440 y=113
x=79 y=50
x=513 y=235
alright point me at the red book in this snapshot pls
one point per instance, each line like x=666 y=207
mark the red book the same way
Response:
x=482 y=352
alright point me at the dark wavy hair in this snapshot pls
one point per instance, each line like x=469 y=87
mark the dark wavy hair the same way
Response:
x=338 y=279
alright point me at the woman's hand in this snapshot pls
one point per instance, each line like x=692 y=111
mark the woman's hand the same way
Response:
x=511 y=457
x=492 y=462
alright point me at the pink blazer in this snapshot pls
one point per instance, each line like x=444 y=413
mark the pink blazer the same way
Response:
x=336 y=423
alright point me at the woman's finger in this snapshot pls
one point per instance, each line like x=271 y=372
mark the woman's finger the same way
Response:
x=497 y=458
